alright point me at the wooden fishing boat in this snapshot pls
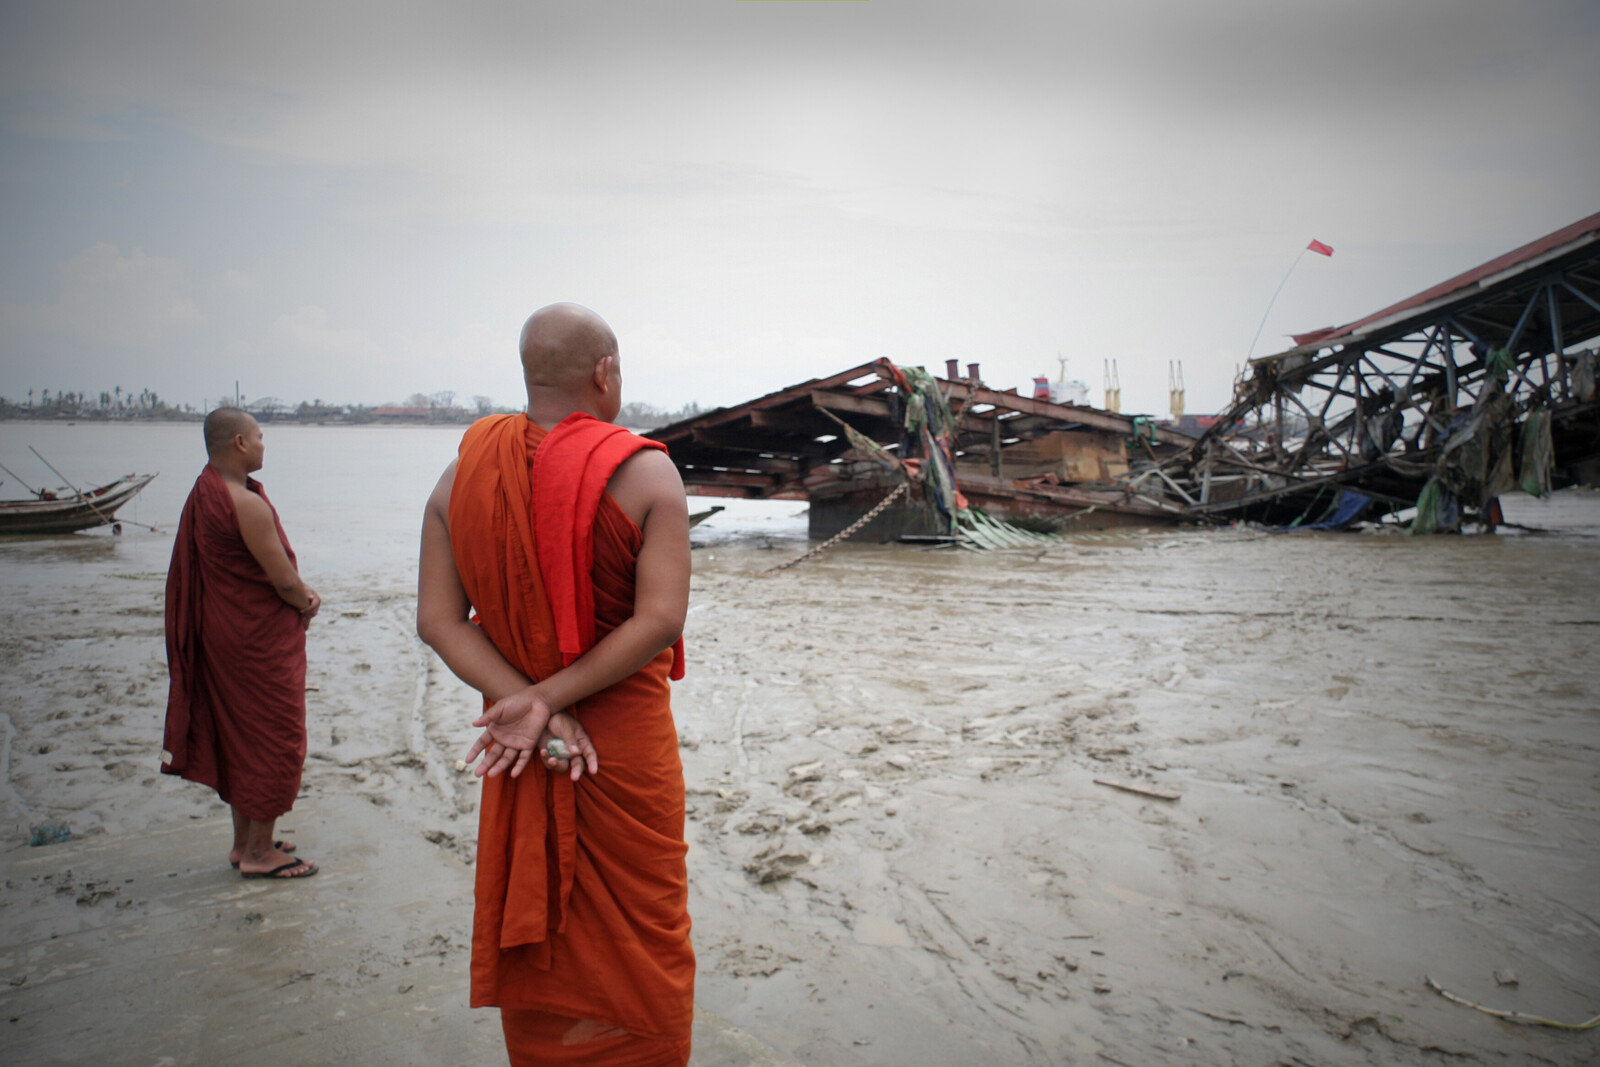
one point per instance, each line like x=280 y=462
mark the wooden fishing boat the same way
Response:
x=71 y=511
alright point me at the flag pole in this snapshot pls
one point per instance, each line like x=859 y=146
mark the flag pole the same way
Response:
x=1274 y=300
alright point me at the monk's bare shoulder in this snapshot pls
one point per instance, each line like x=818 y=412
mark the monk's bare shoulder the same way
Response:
x=439 y=499
x=248 y=506
x=646 y=482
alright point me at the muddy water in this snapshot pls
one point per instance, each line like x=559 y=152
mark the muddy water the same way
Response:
x=1385 y=751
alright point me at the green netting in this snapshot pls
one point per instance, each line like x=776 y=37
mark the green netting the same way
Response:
x=978 y=529
x=1437 y=510
x=1538 y=454
x=928 y=418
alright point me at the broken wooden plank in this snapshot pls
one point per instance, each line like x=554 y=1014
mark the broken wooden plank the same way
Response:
x=1142 y=790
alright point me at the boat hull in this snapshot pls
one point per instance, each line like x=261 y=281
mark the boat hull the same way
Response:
x=97 y=507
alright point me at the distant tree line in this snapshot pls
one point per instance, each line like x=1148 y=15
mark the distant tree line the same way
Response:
x=644 y=417
x=423 y=408
x=117 y=404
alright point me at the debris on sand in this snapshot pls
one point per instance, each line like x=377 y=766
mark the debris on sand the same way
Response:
x=1142 y=790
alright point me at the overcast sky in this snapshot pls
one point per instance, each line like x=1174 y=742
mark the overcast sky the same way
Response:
x=357 y=202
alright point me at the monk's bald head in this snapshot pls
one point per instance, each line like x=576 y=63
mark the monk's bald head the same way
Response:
x=223 y=425
x=561 y=344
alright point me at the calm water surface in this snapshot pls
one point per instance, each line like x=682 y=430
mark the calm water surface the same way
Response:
x=350 y=497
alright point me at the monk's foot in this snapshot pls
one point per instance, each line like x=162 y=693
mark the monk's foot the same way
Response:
x=285 y=867
x=238 y=853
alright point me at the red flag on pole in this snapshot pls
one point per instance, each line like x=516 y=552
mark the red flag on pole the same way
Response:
x=1320 y=248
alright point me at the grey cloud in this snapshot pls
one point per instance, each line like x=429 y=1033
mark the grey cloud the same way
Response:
x=730 y=171
x=106 y=297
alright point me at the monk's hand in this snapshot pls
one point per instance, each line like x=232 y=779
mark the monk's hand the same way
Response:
x=512 y=728
x=313 y=605
x=575 y=741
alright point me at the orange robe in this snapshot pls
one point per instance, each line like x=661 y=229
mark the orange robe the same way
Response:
x=581 y=931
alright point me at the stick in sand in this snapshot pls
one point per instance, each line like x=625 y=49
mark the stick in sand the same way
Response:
x=1510 y=1016
x=1142 y=790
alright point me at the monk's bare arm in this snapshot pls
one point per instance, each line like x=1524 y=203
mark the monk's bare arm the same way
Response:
x=260 y=535
x=443 y=611
x=444 y=622
x=648 y=489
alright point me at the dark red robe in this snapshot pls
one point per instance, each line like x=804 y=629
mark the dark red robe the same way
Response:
x=236 y=656
x=581 y=933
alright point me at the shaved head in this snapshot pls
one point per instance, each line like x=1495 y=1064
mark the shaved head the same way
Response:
x=223 y=425
x=561 y=344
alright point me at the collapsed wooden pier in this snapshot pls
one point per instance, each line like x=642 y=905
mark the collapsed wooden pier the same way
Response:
x=843 y=442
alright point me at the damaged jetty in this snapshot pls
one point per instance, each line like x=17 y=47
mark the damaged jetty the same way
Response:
x=1441 y=402
x=926 y=458
x=1482 y=384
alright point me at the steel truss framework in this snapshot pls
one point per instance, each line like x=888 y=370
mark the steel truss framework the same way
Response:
x=1374 y=405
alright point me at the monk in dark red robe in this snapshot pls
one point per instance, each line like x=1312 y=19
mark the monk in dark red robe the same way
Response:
x=568 y=538
x=237 y=612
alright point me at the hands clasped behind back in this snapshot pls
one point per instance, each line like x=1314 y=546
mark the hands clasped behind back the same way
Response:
x=522 y=724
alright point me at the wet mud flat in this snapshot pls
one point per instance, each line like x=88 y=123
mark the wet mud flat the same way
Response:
x=1385 y=752
x=130 y=940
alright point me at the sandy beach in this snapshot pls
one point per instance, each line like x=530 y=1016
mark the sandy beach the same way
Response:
x=1384 y=752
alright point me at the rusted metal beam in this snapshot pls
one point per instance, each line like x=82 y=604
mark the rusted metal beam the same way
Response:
x=861 y=405
x=783 y=396
x=738 y=492
x=1058 y=497
x=751 y=443
x=765 y=464
x=1349 y=476
x=708 y=476
x=1089 y=417
x=1397 y=355
x=1557 y=344
x=842 y=378
x=1568 y=286
x=1024 y=427
x=792 y=420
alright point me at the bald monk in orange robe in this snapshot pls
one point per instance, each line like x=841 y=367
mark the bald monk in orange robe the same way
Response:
x=236 y=615
x=554 y=579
